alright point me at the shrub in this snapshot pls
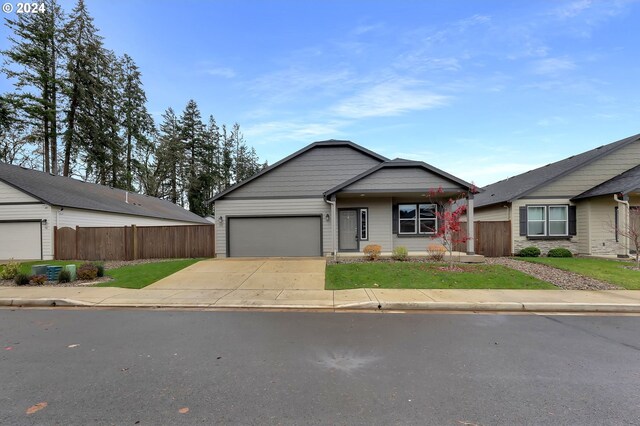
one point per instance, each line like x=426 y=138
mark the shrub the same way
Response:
x=372 y=251
x=10 y=270
x=64 y=276
x=38 y=279
x=400 y=253
x=21 y=279
x=100 y=267
x=529 y=252
x=559 y=252
x=87 y=271
x=435 y=252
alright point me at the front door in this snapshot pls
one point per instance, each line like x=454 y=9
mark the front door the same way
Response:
x=348 y=230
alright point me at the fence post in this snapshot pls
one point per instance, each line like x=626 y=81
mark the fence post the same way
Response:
x=77 y=234
x=134 y=232
x=55 y=242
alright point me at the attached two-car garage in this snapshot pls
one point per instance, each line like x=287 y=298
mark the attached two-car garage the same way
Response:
x=274 y=236
x=20 y=240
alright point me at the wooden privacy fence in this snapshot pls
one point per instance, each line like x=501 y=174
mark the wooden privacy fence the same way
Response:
x=134 y=242
x=492 y=239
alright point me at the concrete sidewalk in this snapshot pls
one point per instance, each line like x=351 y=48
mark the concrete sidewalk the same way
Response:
x=621 y=301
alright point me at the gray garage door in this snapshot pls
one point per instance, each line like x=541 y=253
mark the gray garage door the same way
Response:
x=274 y=236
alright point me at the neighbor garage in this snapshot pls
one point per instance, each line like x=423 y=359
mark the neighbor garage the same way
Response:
x=20 y=240
x=274 y=236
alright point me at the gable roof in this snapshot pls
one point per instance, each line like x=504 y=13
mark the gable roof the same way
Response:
x=67 y=192
x=518 y=186
x=319 y=144
x=626 y=182
x=400 y=163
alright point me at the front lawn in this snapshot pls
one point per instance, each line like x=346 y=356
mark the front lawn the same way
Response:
x=130 y=276
x=139 y=276
x=427 y=275
x=608 y=270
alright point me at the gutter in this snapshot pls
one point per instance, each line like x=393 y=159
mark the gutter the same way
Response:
x=626 y=223
x=333 y=226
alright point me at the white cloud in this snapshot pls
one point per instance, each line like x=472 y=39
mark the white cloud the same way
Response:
x=551 y=121
x=273 y=131
x=389 y=98
x=572 y=9
x=552 y=65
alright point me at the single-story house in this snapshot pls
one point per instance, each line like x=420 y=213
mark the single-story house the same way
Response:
x=331 y=197
x=577 y=203
x=32 y=203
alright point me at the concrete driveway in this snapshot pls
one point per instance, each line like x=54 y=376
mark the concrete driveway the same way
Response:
x=248 y=274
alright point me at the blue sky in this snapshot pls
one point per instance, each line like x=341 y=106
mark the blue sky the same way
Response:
x=481 y=89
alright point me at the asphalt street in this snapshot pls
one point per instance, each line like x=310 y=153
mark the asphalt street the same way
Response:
x=184 y=367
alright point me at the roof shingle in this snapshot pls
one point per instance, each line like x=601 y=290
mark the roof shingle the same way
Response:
x=67 y=192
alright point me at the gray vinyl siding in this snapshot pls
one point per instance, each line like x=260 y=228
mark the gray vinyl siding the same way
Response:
x=310 y=174
x=415 y=243
x=380 y=219
x=404 y=178
x=274 y=207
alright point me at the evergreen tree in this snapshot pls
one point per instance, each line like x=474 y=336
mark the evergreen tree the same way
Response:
x=170 y=156
x=83 y=51
x=137 y=122
x=33 y=60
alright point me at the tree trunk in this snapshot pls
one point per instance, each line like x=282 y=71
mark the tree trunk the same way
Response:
x=71 y=122
x=128 y=181
x=54 y=110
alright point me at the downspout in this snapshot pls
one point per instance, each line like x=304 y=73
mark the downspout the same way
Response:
x=333 y=226
x=626 y=223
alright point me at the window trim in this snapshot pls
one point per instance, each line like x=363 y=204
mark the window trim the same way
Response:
x=547 y=221
x=417 y=220
x=543 y=220
x=566 y=220
x=363 y=220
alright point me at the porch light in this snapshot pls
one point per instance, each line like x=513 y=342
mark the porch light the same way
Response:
x=327 y=217
x=220 y=220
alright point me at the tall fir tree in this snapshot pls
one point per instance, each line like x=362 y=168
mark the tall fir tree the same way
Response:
x=33 y=60
x=170 y=156
x=83 y=50
x=137 y=123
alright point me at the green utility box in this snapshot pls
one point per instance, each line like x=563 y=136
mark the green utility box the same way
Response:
x=72 y=271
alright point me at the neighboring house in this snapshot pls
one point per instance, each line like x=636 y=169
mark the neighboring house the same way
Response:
x=332 y=196
x=32 y=203
x=575 y=203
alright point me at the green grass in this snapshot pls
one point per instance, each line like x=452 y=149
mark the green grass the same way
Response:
x=427 y=275
x=608 y=270
x=139 y=276
x=132 y=276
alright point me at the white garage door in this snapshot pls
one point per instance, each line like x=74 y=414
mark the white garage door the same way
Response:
x=281 y=236
x=20 y=240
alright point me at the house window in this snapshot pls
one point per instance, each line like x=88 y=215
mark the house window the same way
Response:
x=547 y=221
x=407 y=216
x=364 y=224
x=536 y=220
x=428 y=219
x=558 y=220
x=417 y=219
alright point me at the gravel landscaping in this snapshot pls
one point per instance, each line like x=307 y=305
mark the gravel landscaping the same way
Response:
x=563 y=279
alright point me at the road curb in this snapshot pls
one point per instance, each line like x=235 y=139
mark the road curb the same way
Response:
x=355 y=306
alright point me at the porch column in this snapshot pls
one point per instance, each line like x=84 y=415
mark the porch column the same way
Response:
x=623 y=225
x=470 y=225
